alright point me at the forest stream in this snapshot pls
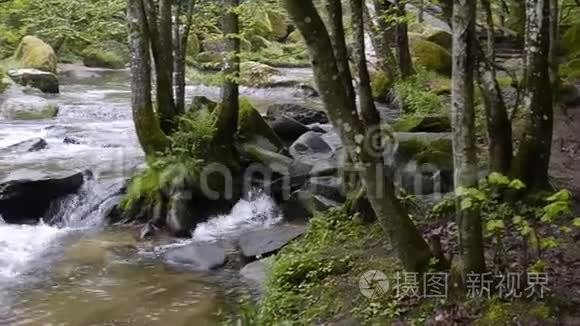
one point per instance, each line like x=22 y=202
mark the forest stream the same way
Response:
x=85 y=272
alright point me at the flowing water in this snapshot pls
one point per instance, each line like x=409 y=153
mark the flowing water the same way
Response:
x=86 y=273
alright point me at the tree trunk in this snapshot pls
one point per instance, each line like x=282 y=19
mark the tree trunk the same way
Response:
x=463 y=123
x=447 y=6
x=164 y=69
x=536 y=140
x=147 y=126
x=181 y=36
x=227 y=123
x=334 y=9
x=383 y=51
x=405 y=238
x=405 y=61
x=554 y=41
x=499 y=130
x=366 y=102
x=421 y=7
x=382 y=8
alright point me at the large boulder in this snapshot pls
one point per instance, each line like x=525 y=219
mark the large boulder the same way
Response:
x=255 y=74
x=27 y=108
x=381 y=86
x=424 y=148
x=252 y=126
x=27 y=200
x=571 y=41
x=260 y=243
x=439 y=37
x=430 y=56
x=45 y=81
x=34 y=53
x=201 y=256
x=312 y=145
x=297 y=112
x=423 y=124
x=288 y=129
x=99 y=57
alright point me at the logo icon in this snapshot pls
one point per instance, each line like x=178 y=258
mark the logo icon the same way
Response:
x=373 y=284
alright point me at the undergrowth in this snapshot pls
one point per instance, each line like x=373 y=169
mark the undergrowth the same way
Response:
x=416 y=96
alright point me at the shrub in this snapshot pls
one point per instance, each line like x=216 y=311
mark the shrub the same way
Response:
x=101 y=58
x=415 y=96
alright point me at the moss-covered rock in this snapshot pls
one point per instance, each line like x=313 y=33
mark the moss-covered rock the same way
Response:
x=193 y=45
x=439 y=37
x=423 y=124
x=381 y=85
x=259 y=42
x=295 y=37
x=102 y=58
x=27 y=108
x=279 y=25
x=251 y=125
x=209 y=60
x=257 y=74
x=425 y=150
x=34 y=53
x=431 y=56
x=571 y=41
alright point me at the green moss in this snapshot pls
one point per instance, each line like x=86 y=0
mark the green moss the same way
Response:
x=3 y=85
x=439 y=37
x=416 y=97
x=381 y=85
x=313 y=280
x=193 y=45
x=516 y=313
x=295 y=37
x=33 y=53
x=209 y=59
x=423 y=124
x=430 y=56
x=571 y=41
x=252 y=124
x=571 y=69
x=255 y=74
x=101 y=58
x=439 y=152
x=49 y=112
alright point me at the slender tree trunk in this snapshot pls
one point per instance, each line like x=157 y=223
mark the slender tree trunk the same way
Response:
x=447 y=6
x=386 y=30
x=421 y=7
x=405 y=61
x=554 y=41
x=164 y=69
x=147 y=126
x=181 y=36
x=404 y=236
x=366 y=102
x=463 y=123
x=384 y=55
x=499 y=130
x=228 y=115
x=334 y=9
x=535 y=144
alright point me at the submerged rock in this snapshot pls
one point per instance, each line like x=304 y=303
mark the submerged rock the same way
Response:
x=27 y=108
x=47 y=82
x=255 y=272
x=25 y=201
x=288 y=129
x=201 y=256
x=31 y=145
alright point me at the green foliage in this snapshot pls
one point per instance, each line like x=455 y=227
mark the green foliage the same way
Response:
x=76 y=22
x=506 y=206
x=380 y=85
x=416 y=97
x=521 y=312
x=571 y=41
x=3 y=86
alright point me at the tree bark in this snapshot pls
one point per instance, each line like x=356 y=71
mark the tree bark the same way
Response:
x=366 y=102
x=181 y=37
x=405 y=61
x=382 y=7
x=384 y=55
x=164 y=69
x=499 y=130
x=334 y=9
x=412 y=249
x=463 y=123
x=535 y=144
x=149 y=133
x=227 y=123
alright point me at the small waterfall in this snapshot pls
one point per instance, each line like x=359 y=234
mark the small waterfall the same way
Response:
x=257 y=211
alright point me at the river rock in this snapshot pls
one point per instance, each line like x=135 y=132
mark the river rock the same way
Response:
x=288 y=129
x=255 y=272
x=263 y=242
x=45 y=81
x=34 y=53
x=32 y=145
x=297 y=112
x=201 y=256
x=311 y=144
x=28 y=200
x=179 y=218
x=304 y=204
x=71 y=141
x=330 y=187
x=27 y=107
